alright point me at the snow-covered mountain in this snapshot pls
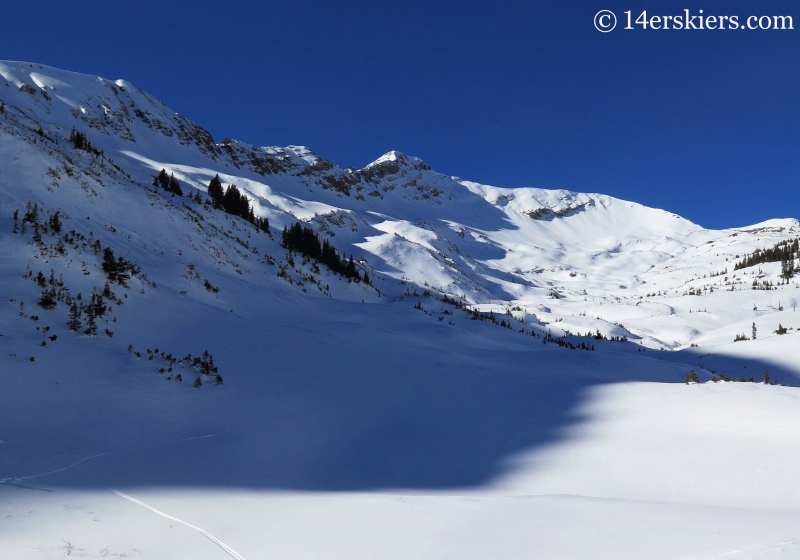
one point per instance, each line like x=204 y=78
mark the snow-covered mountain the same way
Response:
x=484 y=345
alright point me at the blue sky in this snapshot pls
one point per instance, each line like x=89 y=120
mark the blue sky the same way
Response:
x=703 y=123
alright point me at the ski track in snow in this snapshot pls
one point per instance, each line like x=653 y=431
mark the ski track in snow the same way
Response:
x=232 y=553
x=228 y=550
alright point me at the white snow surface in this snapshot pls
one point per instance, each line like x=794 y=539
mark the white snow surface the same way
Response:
x=350 y=423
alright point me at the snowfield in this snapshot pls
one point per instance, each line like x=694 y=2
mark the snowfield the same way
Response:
x=509 y=384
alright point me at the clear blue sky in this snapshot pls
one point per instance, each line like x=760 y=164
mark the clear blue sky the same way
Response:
x=702 y=123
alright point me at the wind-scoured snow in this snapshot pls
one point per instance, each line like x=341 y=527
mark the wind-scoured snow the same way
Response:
x=372 y=420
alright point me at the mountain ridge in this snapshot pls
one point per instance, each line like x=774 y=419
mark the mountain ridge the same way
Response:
x=488 y=245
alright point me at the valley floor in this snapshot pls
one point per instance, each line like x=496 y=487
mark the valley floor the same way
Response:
x=392 y=436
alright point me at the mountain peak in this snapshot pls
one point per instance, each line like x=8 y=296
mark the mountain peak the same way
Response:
x=399 y=161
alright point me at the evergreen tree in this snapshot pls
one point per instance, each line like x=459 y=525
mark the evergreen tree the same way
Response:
x=236 y=202
x=755 y=330
x=766 y=377
x=78 y=139
x=350 y=270
x=205 y=364
x=48 y=299
x=97 y=304
x=31 y=214
x=117 y=269
x=110 y=265
x=74 y=322
x=174 y=187
x=91 y=323
x=37 y=234
x=55 y=222
x=215 y=191
x=163 y=180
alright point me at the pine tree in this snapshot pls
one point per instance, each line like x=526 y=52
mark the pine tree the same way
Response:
x=78 y=139
x=110 y=265
x=55 y=222
x=74 y=322
x=205 y=364
x=787 y=267
x=117 y=269
x=215 y=191
x=97 y=304
x=163 y=180
x=37 y=234
x=197 y=383
x=48 y=299
x=91 y=323
x=755 y=330
x=174 y=187
x=766 y=377
x=31 y=214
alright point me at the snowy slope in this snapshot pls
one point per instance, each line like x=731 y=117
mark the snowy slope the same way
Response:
x=375 y=421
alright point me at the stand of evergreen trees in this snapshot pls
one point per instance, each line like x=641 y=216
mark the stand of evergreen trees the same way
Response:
x=80 y=142
x=784 y=252
x=168 y=182
x=717 y=377
x=117 y=269
x=305 y=241
x=235 y=202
